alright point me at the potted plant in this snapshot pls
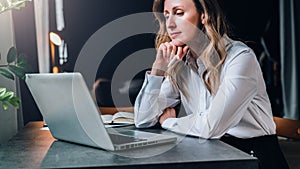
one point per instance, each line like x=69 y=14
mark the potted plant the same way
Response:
x=16 y=65
x=11 y=4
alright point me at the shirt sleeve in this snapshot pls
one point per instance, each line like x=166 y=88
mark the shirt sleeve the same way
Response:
x=156 y=94
x=236 y=90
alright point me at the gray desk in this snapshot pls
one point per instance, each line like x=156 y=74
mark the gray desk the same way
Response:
x=36 y=148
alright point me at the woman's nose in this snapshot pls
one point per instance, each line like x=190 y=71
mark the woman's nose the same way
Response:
x=171 y=22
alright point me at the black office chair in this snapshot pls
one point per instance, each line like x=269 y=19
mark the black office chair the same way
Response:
x=103 y=94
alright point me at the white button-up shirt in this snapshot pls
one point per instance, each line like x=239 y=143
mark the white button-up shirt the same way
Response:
x=241 y=106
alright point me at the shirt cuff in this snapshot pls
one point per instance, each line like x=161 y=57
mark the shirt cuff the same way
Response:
x=154 y=82
x=169 y=123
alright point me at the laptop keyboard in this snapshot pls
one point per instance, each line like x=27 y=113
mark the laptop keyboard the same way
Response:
x=122 y=139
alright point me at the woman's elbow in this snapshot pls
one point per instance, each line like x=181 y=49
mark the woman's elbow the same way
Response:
x=138 y=124
x=143 y=119
x=141 y=124
x=210 y=132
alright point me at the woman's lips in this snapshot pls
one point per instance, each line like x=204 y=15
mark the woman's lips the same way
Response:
x=174 y=34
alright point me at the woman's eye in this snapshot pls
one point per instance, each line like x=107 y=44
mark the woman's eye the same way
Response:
x=179 y=12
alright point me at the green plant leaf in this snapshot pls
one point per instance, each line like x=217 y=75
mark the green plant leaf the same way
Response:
x=18 y=5
x=7 y=96
x=4 y=105
x=23 y=66
x=22 y=63
x=12 y=55
x=17 y=71
x=15 y=101
x=2 y=92
x=7 y=74
x=21 y=58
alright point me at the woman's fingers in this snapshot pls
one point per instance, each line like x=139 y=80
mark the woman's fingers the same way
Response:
x=166 y=56
x=164 y=50
x=168 y=113
x=185 y=49
x=169 y=50
x=182 y=51
x=169 y=53
x=179 y=52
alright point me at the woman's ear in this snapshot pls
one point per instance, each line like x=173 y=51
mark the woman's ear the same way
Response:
x=203 y=18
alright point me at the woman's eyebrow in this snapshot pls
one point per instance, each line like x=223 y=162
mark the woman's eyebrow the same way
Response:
x=176 y=7
x=173 y=9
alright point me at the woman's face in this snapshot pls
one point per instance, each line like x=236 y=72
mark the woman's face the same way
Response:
x=182 y=20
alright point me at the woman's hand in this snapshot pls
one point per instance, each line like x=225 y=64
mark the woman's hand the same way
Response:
x=168 y=113
x=165 y=53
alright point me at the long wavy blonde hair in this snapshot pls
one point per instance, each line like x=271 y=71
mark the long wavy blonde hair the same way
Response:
x=215 y=29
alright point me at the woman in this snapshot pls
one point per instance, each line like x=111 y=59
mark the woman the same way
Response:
x=217 y=80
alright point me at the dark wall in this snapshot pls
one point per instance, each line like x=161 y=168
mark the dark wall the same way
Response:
x=248 y=19
x=84 y=18
x=250 y=22
x=297 y=23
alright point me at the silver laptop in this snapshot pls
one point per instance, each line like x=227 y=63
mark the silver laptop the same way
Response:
x=72 y=115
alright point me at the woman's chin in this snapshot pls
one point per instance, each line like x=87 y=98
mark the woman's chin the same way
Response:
x=177 y=42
